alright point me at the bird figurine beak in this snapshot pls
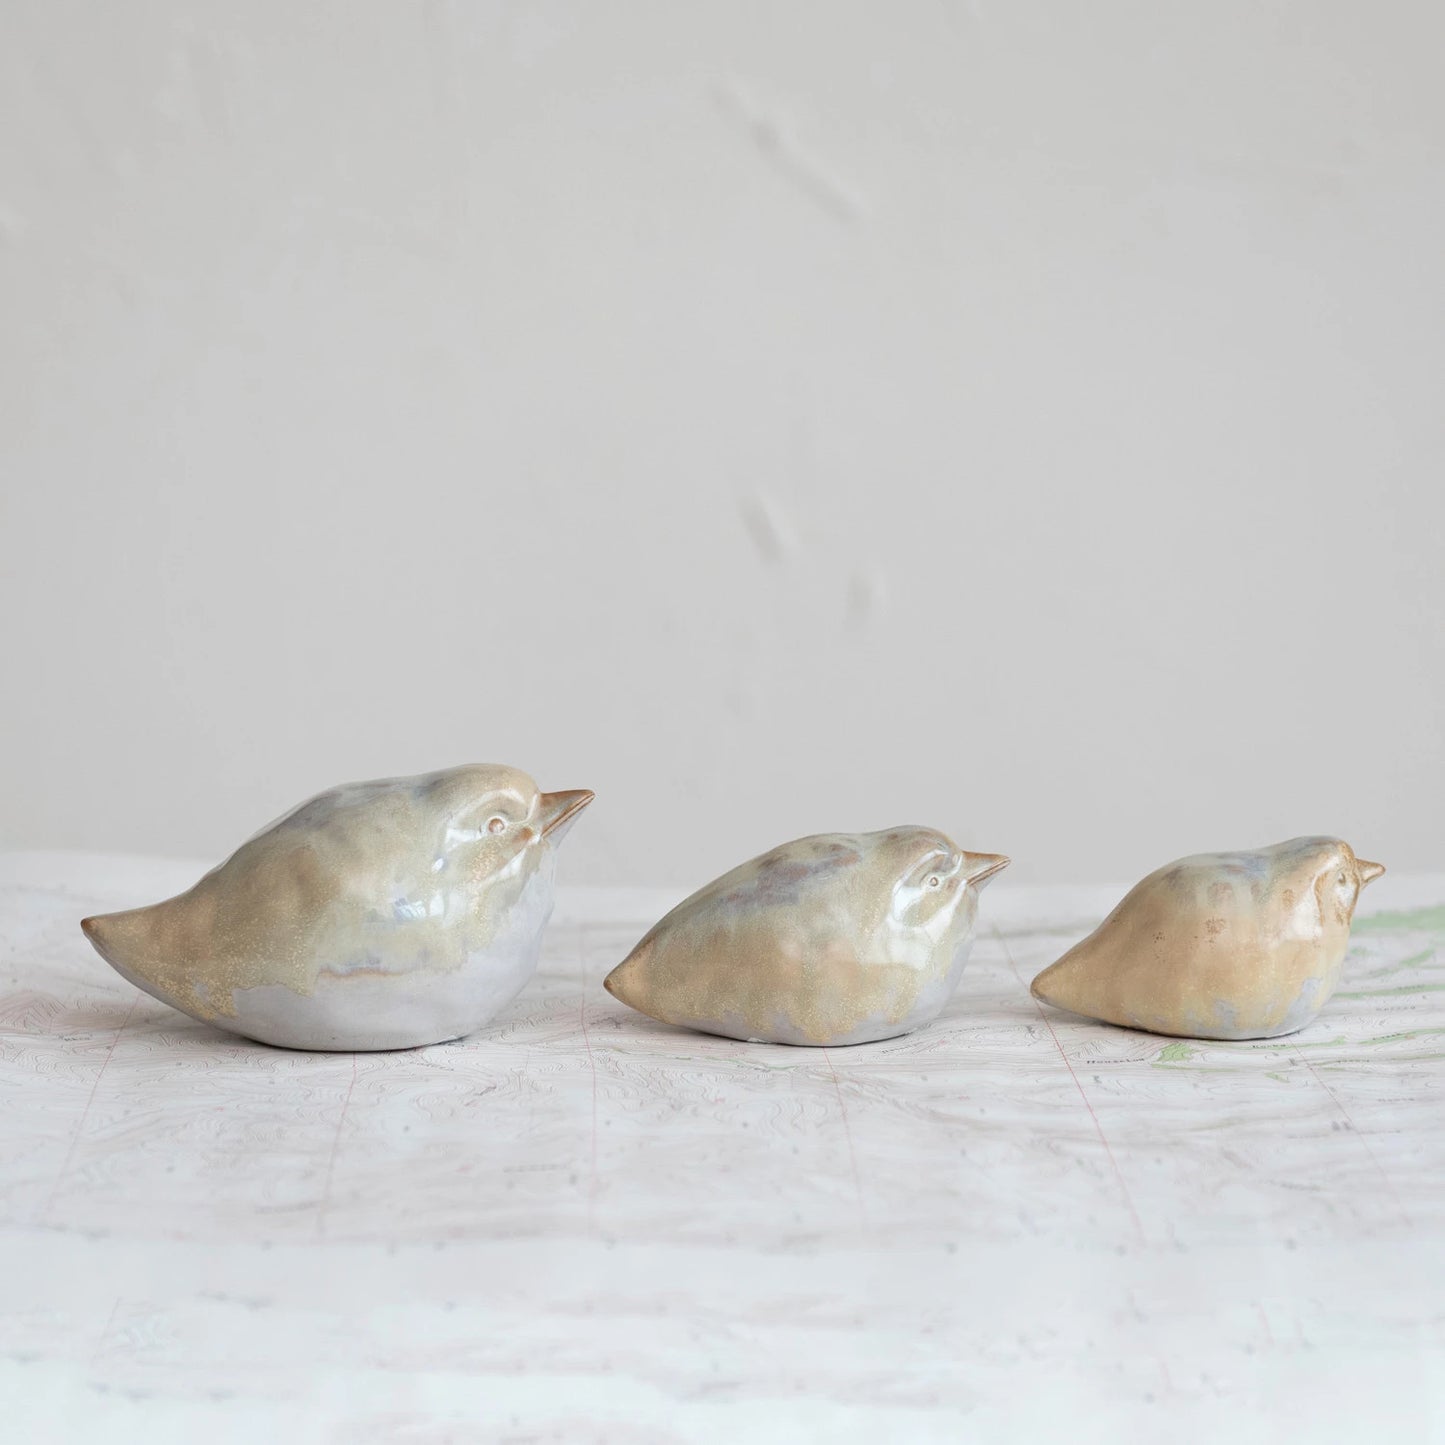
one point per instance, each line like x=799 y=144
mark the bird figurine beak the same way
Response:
x=556 y=812
x=980 y=867
x=1368 y=871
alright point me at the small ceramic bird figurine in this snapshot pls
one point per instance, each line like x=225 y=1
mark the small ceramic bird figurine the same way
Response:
x=843 y=938
x=1220 y=945
x=380 y=915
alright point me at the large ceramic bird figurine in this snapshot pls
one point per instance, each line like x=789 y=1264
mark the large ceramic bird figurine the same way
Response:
x=379 y=915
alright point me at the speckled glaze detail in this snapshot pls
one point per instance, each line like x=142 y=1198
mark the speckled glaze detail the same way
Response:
x=843 y=938
x=378 y=915
x=1220 y=945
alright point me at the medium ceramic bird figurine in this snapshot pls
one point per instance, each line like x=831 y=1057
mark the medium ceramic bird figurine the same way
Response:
x=380 y=915
x=843 y=938
x=1220 y=945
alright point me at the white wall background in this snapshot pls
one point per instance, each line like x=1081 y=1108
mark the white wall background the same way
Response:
x=1021 y=417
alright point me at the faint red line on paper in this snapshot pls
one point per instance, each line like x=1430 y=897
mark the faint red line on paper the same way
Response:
x=1159 y=1359
x=85 y=1113
x=1364 y=1139
x=1098 y=1127
x=848 y=1135
x=325 y=1199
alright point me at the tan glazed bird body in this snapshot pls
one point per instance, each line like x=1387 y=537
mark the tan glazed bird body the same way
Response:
x=842 y=938
x=1221 y=945
x=378 y=915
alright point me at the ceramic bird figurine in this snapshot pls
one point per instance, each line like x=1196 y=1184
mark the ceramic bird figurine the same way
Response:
x=843 y=938
x=1220 y=945
x=379 y=915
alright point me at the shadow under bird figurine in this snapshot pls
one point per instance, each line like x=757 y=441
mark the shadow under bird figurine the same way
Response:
x=843 y=938
x=378 y=915
x=1220 y=945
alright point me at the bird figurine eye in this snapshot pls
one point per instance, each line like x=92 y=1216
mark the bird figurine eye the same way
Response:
x=496 y=825
x=934 y=880
x=1344 y=879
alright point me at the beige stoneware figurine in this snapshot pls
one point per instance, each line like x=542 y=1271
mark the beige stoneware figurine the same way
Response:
x=1220 y=945
x=379 y=915
x=842 y=938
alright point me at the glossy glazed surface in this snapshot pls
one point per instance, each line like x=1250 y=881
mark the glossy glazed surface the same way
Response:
x=1219 y=945
x=377 y=915
x=842 y=938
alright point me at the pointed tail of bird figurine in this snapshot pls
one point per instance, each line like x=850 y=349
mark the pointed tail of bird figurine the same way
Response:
x=128 y=942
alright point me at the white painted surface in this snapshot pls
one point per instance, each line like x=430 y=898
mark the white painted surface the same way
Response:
x=1021 y=419
x=584 y=1226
